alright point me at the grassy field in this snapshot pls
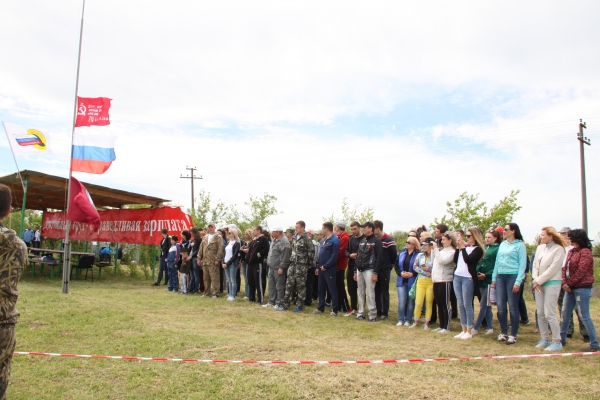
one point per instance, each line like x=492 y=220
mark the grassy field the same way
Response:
x=126 y=316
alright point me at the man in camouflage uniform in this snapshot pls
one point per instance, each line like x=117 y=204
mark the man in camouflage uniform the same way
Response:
x=210 y=257
x=13 y=260
x=303 y=253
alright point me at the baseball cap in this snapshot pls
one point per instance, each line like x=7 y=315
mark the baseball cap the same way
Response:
x=277 y=228
x=318 y=232
x=211 y=224
x=341 y=224
x=369 y=224
x=566 y=229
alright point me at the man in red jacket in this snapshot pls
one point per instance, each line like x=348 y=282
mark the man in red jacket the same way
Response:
x=342 y=263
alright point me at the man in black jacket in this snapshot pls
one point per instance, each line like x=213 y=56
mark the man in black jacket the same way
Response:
x=368 y=265
x=351 y=253
x=257 y=251
x=165 y=245
x=389 y=255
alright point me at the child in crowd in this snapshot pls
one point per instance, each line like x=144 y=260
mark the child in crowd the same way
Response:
x=184 y=269
x=172 y=260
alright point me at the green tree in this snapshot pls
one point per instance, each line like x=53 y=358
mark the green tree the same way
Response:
x=353 y=213
x=261 y=208
x=468 y=211
x=221 y=213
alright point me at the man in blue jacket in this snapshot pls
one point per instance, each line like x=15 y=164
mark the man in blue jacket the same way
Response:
x=327 y=266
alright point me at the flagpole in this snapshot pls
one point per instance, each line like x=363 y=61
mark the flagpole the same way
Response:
x=67 y=248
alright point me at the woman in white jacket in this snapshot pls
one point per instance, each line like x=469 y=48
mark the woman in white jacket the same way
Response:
x=546 y=282
x=442 y=276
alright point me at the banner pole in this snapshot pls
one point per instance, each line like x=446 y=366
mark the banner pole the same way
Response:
x=67 y=257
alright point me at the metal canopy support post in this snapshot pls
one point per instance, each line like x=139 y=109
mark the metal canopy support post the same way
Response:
x=24 y=205
x=153 y=261
x=116 y=257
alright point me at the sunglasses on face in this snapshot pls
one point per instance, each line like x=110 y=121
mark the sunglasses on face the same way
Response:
x=468 y=235
x=507 y=229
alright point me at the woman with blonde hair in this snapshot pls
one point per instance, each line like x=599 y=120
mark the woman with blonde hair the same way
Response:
x=424 y=235
x=466 y=258
x=406 y=278
x=546 y=281
x=442 y=276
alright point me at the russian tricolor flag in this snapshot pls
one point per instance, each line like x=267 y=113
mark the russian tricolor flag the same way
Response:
x=93 y=153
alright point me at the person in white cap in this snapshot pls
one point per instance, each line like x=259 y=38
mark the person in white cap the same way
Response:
x=278 y=261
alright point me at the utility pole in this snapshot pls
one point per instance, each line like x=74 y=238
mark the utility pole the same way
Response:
x=582 y=141
x=191 y=178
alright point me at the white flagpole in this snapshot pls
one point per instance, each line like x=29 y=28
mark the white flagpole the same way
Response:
x=67 y=248
x=15 y=158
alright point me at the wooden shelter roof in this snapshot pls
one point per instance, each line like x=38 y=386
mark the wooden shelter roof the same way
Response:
x=50 y=192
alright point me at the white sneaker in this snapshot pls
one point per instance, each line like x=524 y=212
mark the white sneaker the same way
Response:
x=230 y=299
x=426 y=327
x=268 y=305
x=474 y=332
x=443 y=331
x=245 y=298
x=407 y=323
x=466 y=336
x=349 y=313
x=400 y=323
x=460 y=335
x=437 y=329
x=413 y=326
x=489 y=332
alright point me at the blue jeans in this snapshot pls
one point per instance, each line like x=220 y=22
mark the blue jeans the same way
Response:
x=579 y=298
x=230 y=274
x=406 y=305
x=504 y=295
x=163 y=268
x=245 y=273
x=195 y=276
x=463 y=288
x=173 y=280
x=485 y=311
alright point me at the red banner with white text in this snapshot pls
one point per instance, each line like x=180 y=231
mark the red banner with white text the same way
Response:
x=137 y=226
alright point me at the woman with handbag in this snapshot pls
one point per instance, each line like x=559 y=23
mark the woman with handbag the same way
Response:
x=406 y=278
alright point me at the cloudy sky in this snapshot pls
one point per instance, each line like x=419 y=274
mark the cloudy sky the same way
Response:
x=396 y=105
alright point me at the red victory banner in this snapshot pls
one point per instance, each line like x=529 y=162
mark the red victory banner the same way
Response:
x=92 y=111
x=139 y=226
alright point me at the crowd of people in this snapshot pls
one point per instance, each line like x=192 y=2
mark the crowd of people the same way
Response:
x=438 y=276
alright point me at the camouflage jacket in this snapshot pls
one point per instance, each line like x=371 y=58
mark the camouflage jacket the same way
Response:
x=212 y=251
x=303 y=250
x=13 y=260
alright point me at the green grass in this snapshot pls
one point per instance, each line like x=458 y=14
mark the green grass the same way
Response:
x=126 y=316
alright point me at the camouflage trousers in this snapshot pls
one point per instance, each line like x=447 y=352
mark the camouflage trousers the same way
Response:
x=296 y=282
x=7 y=347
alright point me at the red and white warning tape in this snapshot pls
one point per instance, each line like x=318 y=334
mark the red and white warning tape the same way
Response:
x=411 y=360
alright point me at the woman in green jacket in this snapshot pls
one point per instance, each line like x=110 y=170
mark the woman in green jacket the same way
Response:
x=484 y=274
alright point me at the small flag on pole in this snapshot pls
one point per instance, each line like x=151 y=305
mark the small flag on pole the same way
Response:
x=81 y=207
x=92 y=111
x=93 y=153
x=26 y=141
